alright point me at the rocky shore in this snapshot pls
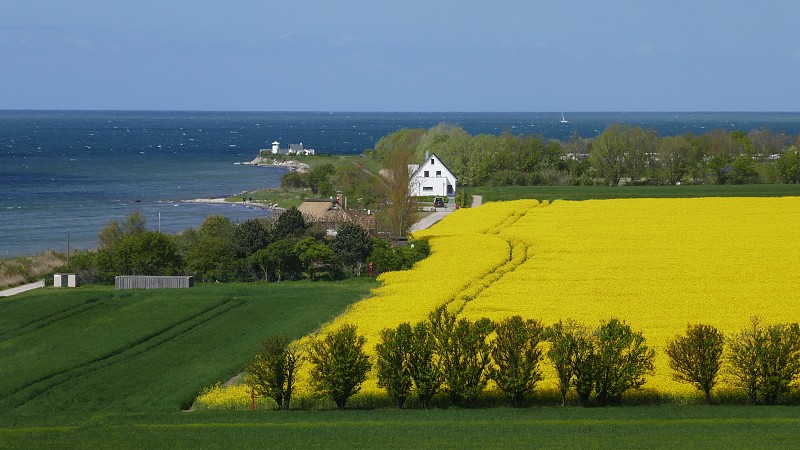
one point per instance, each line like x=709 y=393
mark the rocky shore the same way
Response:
x=292 y=165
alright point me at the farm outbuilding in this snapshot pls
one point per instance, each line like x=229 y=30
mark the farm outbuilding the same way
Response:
x=152 y=282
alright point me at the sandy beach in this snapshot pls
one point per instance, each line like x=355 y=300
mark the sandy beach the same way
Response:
x=222 y=201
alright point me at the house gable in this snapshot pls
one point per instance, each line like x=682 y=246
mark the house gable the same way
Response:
x=432 y=177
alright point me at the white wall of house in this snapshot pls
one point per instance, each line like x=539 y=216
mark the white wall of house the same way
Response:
x=432 y=178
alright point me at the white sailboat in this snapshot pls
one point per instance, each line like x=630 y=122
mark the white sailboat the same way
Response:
x=563 y=120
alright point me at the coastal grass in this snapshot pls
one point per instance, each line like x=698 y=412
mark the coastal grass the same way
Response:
x=665 y=426
x=26 y=269
x=609 y=192
x=93 y=349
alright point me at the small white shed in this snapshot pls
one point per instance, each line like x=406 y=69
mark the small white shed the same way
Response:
x=65 y=280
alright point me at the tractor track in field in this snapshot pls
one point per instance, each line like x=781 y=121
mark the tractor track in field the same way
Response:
x=57 y=316
x=33 y=389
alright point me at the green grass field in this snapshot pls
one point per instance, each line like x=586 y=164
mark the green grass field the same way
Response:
x=606 y=192
x=551 y=427
x=97 y=368
x=94 y=349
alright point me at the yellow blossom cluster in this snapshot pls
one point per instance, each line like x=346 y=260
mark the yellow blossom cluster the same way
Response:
x=657 y=264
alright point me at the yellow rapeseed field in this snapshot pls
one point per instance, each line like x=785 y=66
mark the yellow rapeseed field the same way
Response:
x=657 y=264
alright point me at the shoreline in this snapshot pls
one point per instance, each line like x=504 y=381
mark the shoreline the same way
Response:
x=224 y=201
x=293 y=165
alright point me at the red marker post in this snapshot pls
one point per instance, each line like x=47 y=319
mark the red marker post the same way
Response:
x=370 y=269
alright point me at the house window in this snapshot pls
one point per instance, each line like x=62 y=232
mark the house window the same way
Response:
x=438 y=173
x=431 y=160
x=426 y=174
x=427 y=188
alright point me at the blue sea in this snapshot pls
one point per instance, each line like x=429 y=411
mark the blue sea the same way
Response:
x=65 y=174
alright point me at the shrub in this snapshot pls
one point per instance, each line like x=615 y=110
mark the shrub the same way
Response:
x=765 y=362
x=516 y=353
x=423 y=365
x=622 y=359
x=393 y=362
x=340 y=364
x=464 y=354
x=696 y=357
x=271 y=373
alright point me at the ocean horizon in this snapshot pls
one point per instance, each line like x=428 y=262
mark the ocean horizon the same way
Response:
x=64 y=174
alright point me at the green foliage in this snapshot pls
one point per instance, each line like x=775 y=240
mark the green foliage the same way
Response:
x=340 y=364
x=314 y=257
x=423 y=365
x=393 y=353
x=290 y=224
x=696 y=357
x=386 y=257
x=147 y=253
x=464 y=354
x=272 y=372
x=319 y=179
x=249 y=237
x=765 y=361
x=516 y=354
x=622 y=359
x=352 y=245
x=788 y=165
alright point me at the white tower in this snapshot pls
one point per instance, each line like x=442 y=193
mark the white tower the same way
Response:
x=275 y=146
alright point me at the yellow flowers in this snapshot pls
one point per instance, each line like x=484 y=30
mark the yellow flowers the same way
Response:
x=657 y=264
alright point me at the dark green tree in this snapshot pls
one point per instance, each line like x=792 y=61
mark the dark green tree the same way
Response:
x=290 y=224
x=147 y=253
x=314 y=256
x=340 y=364
x=249 y=237
x=352 y=245
x=516 y=354
x=696 y=357
x=394 y=352
x=272 y=372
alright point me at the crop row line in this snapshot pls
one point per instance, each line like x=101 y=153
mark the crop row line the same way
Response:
x=50 y=319
x=35 y=388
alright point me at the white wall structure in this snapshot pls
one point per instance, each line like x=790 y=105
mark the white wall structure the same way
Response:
x=65 y=280
x=432 y=177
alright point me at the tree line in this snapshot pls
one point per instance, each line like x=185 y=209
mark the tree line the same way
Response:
x=458 y=357
x=284 y=246
x=621 y=153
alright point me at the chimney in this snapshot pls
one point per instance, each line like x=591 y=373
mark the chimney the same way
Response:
x=340 y=198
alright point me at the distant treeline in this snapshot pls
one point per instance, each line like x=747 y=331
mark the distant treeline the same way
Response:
x=273 y=249
x=620 y=154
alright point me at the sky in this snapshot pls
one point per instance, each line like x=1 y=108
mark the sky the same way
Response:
x=403 y=55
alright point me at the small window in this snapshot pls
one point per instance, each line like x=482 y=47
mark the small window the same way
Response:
x=427 y=188
x=431 y=160
x=426 y=174
x=438 y=173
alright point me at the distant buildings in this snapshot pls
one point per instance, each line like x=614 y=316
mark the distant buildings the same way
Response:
x=294 y=149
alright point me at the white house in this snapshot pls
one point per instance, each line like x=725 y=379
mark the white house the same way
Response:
x=431 y=178
x=294 y=149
